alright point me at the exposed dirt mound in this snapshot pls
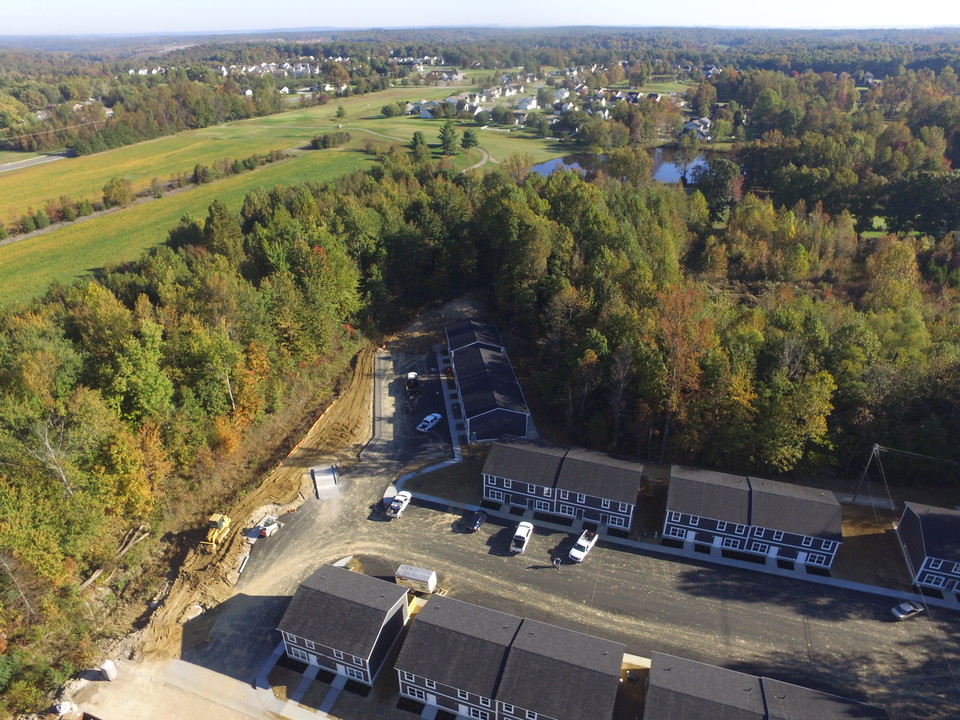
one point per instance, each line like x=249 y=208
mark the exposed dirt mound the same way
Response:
x=206 y=579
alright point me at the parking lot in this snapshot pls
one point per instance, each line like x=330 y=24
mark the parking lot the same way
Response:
x=818 y=636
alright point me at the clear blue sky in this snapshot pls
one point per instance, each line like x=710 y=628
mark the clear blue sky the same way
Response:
x=37 y=17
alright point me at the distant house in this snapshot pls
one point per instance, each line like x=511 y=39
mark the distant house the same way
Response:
x=701 y=126
x=487 y=388
x=680 y=689
x=790 y=526
x=485 y=664
x=559 y=480
x=528 y=103
x=344 y=621
x=930 y=538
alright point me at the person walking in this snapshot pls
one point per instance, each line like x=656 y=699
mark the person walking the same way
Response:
x=556 y=562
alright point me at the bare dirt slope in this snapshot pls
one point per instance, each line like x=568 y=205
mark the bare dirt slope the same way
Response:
x=206 y=579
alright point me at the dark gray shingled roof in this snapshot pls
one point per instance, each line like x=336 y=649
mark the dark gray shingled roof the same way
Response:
x=709 y=494
x=795 y=509
x=472 y=332
x=940 y=530
x=600 y=475
x=531 y=461
x=561 y=673
x=792 y=702
x=341 y=609
x=487 y=382
x=458 y=644
x=682 y=689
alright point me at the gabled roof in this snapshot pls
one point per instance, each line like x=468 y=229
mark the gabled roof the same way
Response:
x=341 y=609
x=795 y=509
x=705 y=493
x=472 y=332
x=683 y=689
x=531 y=461
x=599 y=474
x=458 y=644
x=792 y=702
x=561 y=673
x=940 y=531
x=487 y=382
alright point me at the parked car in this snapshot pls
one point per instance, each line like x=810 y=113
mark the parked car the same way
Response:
x=906 y=610
x=268 y=526
x=521 y=536
x=399 y=504
x=429 y=422
x=475 y=521
x=583 y=545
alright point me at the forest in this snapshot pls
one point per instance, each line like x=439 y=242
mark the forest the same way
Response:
x=792 y=305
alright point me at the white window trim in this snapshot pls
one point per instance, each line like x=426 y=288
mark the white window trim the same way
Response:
x=290 y=637
x=777 y=535
x=409 y=676
x=541 y=505
x=569 y=510
x=581 y=498
x=507 y=484
x=935 y=564
x=731 y=543
x=495 y=495
x=721 y=526
x=309 y=644
x=507 y=707
x=431 y=684
x=605 y=503
x=299 y=654
x=417 y=693
x=564 y=495
x=489 y=480
x=740 y=529
x=354 y=673
x=674 y=516
x=759 y=547
x=338 y=654
x=694 y=520
x=807 y=541
x=531 y=489
x=624 y=507
x=485 y=702
x=463 y=695
x=548 y=492
x=617 y=521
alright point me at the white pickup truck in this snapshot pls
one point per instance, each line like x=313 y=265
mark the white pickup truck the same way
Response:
x=583 y=545
x=521 y=536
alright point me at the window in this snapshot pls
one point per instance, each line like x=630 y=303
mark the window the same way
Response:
x=507 y=484
x=935 y=564
x=479 y=714
x=564 y=495
x=542 y=505
x=674 y=516
x=489 y=480
x=616 y=521
x=408 y=676
x=721 y=526
x=567 y=510
x=309 y=644
x=581 y=498
x=531 y=715
x=740 y=529
x=605 y=503
x=463 y=694
x=548 y=492
x=495 y=495
x=508 y=708
x=485 y=702
x=828 y=545
x=777 y=535
x=624 y=507
x=758 y=532
x=694 y=520
x=299 y=654
x=807 y=541
x=931 y=579
x=677 y=532
x=759 y=547
x=355 y=674
x=731 y=543
x=532 y=489
x=416 y=693
x=431 y=684
x=338 y=655
x=815 y=559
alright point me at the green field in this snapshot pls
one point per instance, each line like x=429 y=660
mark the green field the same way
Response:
x=28 y=267
x=84 y=177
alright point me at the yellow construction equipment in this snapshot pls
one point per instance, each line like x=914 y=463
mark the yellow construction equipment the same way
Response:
x=217 y=528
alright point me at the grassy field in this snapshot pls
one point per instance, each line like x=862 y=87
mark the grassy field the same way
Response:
x=10 y=156
x=73 y=251
x=84 y=177
x=28 y=267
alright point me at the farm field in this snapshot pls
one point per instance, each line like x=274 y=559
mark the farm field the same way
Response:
x=28 y=267
x=84 y=177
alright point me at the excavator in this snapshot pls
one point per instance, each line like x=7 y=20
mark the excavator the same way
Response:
x=217 y=527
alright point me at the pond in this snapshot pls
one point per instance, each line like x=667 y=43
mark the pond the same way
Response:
x=663 y=168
